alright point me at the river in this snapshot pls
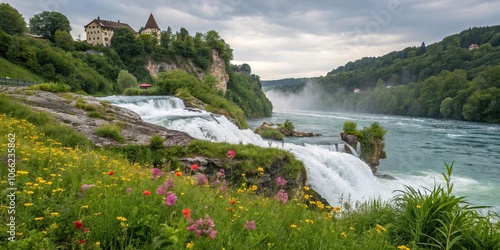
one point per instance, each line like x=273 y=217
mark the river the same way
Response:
x=417 y=149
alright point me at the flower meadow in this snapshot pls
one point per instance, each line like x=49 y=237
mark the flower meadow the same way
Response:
x=87 y=198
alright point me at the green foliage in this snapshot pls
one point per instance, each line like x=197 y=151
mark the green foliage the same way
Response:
x=46 y=24
x=287 y=125
x=13 y=71
x=111 y=131
x=64 y=40
x=51 y=87
x=350 y=128
x=125 y=80
x=15 y=24
x=246 y=91
x=270 y=133
x=156 y=142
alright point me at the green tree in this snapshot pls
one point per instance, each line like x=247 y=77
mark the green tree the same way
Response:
x=46 y=24
x=125 y=44
x=12 y=21
x=125 y=80
x=446 y=108
x=64 y=40
x=166 y=38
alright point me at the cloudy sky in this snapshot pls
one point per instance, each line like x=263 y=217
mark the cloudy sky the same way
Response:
x=293 y=38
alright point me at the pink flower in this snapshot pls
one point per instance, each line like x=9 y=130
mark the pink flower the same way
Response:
x=171 y=199
x=221 y=173
x=250 y=225
x=230 y=154
x=87 y=186
x=162 y=190
x=203 y=227
x=280 y=181
x=128 y=190
x=281 y=196
x=194 y=167
x=156 y=173
x=201 y=180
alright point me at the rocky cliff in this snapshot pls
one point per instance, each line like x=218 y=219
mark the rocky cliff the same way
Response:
x=217 y=69
x=370 y=155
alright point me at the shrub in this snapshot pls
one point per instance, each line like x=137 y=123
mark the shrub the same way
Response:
x=110 y=131
x=156 y=142
x=52 y=87
x=270 y=133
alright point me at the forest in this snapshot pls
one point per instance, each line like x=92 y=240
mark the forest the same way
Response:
x=443 y=80
x=56 y=57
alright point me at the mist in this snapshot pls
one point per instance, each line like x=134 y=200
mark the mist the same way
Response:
x=306 y=99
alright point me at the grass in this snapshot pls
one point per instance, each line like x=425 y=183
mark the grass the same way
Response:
x=86 y=198
x=51 y=87
x=270 y=133
x=111 y=131
x=13 y=71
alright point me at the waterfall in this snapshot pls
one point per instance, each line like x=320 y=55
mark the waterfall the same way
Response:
x=330 y=173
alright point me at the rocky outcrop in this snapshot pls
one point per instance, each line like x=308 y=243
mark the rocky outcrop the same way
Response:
x=283 y=131
x=217 y=69
x=370 y=155
x=73 y=110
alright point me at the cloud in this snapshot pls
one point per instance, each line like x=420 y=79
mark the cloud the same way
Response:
x=290 y=38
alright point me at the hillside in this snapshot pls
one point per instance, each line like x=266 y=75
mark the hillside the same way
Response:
x=442 y=80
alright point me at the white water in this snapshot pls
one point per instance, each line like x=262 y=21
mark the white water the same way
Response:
x=332 y=174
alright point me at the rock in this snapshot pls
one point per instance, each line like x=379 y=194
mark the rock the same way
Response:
x=386 y=176
x=63 y=108
x=377 y=150
x=284 y=131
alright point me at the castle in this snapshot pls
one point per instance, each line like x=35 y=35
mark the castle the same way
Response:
x=100 y=31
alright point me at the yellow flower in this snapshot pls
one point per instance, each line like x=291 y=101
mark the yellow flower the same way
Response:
x=418 y=206
x=260 y=170
x=120 y=218
x=20 y=172
x=309 y=221
x=380 y=229
x=54 y=226
x=352 y=228
x=293 y=226
x=243 y=175
x=336 y=209
x=403 y=247
x=190 y=245
x=307 y=196
x=29 y=192
x=344 y=235
x=54 y=214
x=254 y=188
x=306 y=188
x=98 y=244
x=85 y=206
x=39 y=218
x=28 y=204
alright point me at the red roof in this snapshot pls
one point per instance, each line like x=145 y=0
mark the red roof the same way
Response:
x=144 y=85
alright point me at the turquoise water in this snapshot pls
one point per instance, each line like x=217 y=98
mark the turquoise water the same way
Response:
x=417 y=149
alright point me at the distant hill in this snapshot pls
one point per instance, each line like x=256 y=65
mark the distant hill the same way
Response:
x=456 y=78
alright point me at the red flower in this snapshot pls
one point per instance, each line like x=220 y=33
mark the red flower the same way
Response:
x=232 y=202
x=186 y=212
x=194 y=167
x=82 y=242
x=178 y=173
x=110 y=173
x=230 y=209
x=147 y=192
x=230 y=154
x=78 y=224
x=85 y=229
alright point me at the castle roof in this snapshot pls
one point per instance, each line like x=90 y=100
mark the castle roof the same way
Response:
x=151 y=23
x=107 y=24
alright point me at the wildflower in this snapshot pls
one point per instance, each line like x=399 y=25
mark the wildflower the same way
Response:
x=190 y=245
x=243 y=175
x=221 y=173
x=87 y=186
x=85 y=230
x=344 y=235
x=310 y=221
x=78 y=224
x=230 y=209
x=380 y=229
x=194 y=167
x=186 y=212
x=232 y=201
x=85 y=206
x=82 y=242
x=110 y=173
x=156 y=173
x=249 y=225
x=121 y=218
x=29 y=192
x=230 y=154
x=254 y=188
x=28 y=204
x=307 y=196
x=162 y=190
x=39 y=218
x=203 y=227
x=98 y=244
x=403 y=247
x=201 y=180
x=281 y=196
x=293 y=226
x=178 y=173
x=418 y=206
x=336 y=209
x=306 y=188
x=147 y=192
x=280 y=181
x=352 y=228
x=20 y=172
x=128 y=190
x=171 y=199
x=54 y=214
x=260 y=170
